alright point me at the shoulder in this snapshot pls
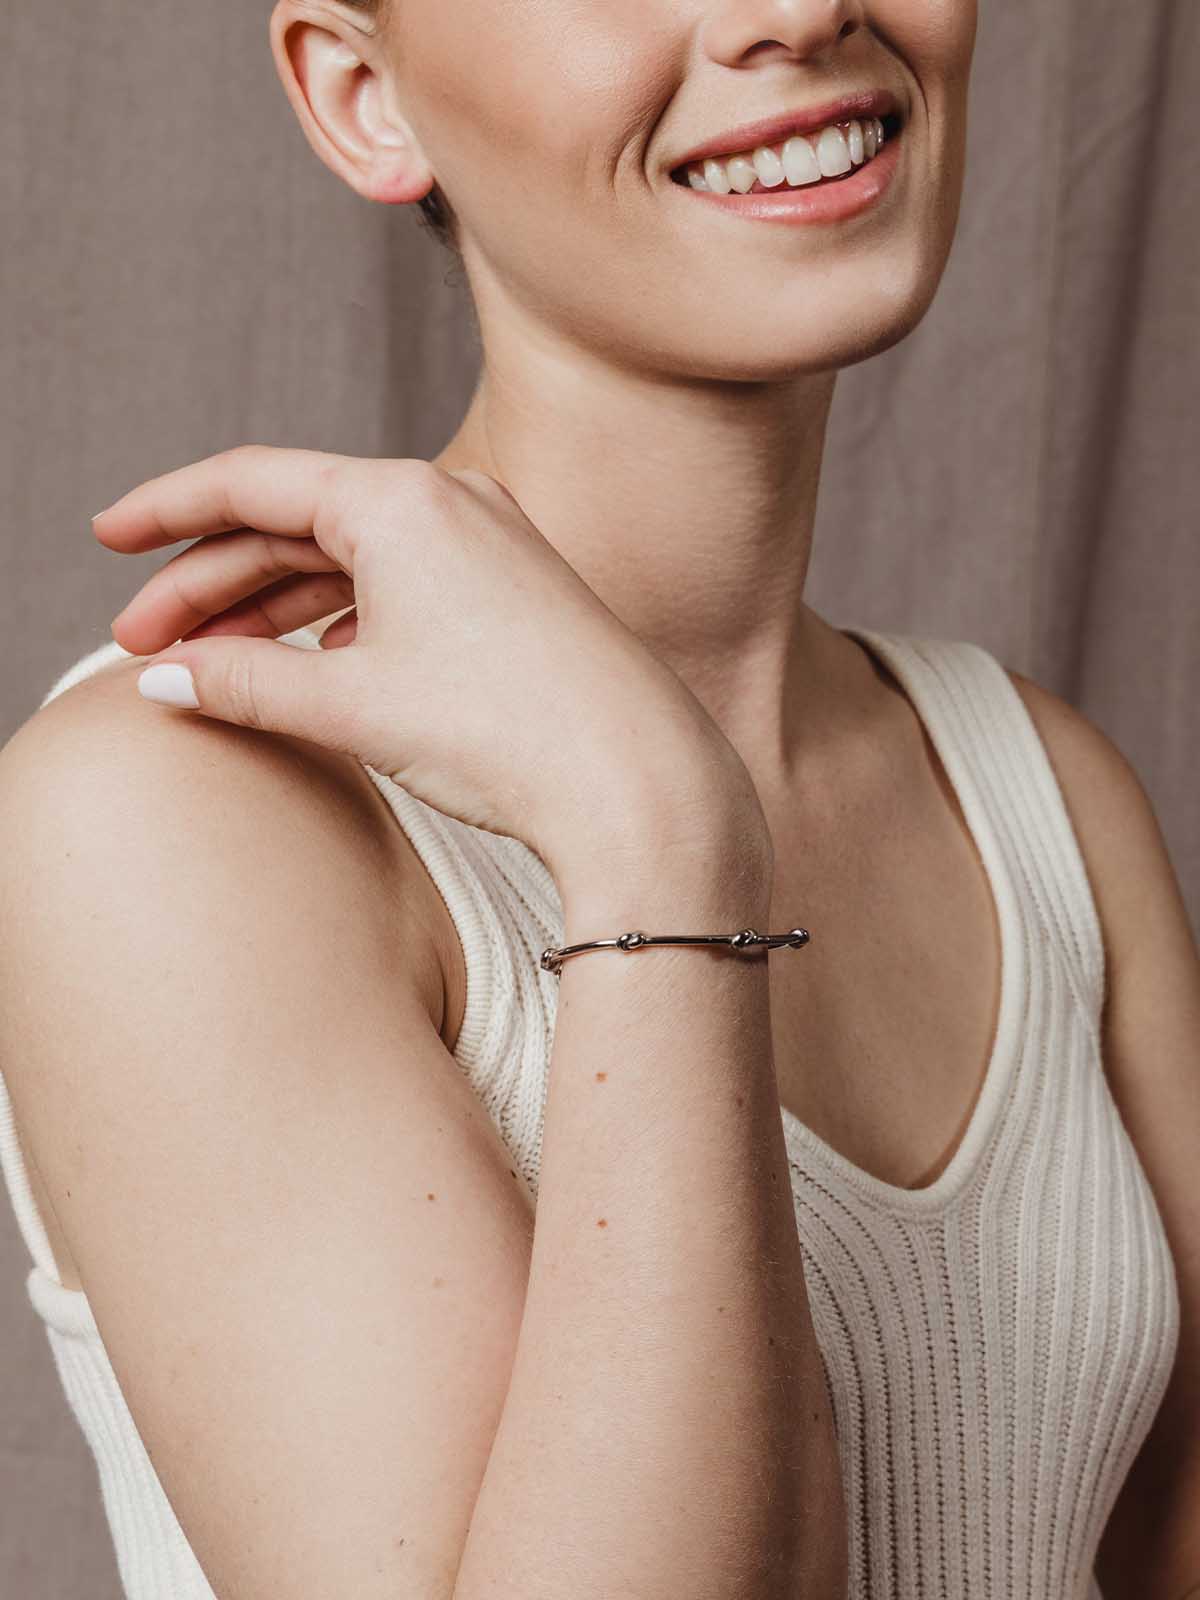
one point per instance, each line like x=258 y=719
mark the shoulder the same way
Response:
x=117 y=802
x=1139 y=902
x=1099 y=783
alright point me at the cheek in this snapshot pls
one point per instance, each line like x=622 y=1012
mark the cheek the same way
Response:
x=935 y=40
x=519 y=91
x=935 y=37
x=538 y=114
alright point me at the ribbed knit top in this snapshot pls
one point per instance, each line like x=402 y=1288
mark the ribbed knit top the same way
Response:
x=996 y=1344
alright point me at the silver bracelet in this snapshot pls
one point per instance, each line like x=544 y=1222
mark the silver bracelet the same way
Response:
x=745 y=939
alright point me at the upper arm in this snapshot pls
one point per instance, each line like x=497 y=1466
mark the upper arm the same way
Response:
x=1151 y=1041
x=296 y=1225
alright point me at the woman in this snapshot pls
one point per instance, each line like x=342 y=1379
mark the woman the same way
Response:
x=845 y=1275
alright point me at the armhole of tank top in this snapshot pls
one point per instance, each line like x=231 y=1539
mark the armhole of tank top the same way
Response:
x=1044 y=829
x=432 y=839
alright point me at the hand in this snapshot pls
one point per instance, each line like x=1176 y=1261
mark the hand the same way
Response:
x=478 y=669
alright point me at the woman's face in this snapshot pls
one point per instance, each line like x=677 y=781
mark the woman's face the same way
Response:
x=554 y=126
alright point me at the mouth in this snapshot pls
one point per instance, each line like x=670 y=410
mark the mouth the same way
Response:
x=818 y=158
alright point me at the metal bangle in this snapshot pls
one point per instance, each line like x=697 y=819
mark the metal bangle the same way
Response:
x=744 y=939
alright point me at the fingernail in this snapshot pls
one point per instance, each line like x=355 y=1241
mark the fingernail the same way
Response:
x=100 y=513
x=169 y=684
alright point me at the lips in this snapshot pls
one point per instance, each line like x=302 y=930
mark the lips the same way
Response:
x=774 y=130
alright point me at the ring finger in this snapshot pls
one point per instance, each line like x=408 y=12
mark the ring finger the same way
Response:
x=214 y=574
x=281 y=607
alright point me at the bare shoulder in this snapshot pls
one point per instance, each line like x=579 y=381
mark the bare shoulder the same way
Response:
x=1151 y=1019
x=296 y=821
x=1118 y=829
x=304 y=1241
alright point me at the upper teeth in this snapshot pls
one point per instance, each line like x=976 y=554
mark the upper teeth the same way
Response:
x=825 y=154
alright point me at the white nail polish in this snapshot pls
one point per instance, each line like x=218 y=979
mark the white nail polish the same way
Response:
x=169 y=684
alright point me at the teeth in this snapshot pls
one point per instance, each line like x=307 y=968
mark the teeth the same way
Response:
x=742 y=175
x=799 y=160
x=833 y=153
x=768 y=166
x=715 y=177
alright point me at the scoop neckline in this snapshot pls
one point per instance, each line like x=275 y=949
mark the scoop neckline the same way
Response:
x=1008 y=915
x=70 y=1309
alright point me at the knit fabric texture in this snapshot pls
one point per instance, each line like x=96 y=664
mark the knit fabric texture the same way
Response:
x=995 y=1345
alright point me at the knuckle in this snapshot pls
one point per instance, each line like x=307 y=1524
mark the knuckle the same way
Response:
x=236 y=462
x=336 y=480
x=271 y=556
x=421 y=479
x=176 y=573
x=415 y=469
x=241 y=694
x=334 y=469
x=330 y=494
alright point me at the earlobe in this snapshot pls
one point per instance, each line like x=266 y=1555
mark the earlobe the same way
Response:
x=399 y=173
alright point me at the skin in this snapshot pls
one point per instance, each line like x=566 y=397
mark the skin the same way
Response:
x=599 y=322
x=607 y=316
x=623 y=323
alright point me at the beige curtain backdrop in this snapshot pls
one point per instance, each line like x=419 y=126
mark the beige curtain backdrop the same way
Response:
x=178 y=274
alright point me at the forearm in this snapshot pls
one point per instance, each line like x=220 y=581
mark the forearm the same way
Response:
x=667 y=1430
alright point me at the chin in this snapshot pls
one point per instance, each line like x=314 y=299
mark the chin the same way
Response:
x=818 y=336
x=884 y=319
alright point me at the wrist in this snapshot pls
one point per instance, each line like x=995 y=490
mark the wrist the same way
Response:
x=670 y=871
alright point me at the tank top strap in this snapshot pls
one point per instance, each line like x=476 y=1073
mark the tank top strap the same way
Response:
x=980 y=726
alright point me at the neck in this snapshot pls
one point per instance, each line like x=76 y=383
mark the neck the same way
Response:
x=688 y=507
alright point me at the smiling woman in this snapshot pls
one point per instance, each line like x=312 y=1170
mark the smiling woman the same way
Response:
x=449 y=1174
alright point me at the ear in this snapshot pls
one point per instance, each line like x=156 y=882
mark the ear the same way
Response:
x=337 y=76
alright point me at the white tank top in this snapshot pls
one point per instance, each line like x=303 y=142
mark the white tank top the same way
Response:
x=995 y=1345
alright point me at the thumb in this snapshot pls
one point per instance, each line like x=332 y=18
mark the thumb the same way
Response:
x=262 y=683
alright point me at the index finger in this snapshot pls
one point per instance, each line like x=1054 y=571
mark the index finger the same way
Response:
x=272 y=489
